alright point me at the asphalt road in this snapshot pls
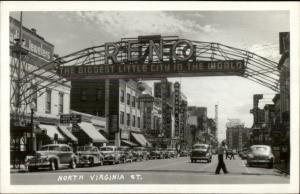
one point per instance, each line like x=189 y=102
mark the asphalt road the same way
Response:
x=164 y=171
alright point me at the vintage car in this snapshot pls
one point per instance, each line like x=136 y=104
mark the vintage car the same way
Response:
x=173 y=152
x=111 y=154
x=183 y=153
x=125 y=154
x=201 y=152
x=155 y=153
x=52 y=156
x=260 y=154
x=166 y=153
x=243 y=153
x=89 y=155
x=140 y=153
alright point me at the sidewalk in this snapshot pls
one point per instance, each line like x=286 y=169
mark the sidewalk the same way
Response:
x=282 y=167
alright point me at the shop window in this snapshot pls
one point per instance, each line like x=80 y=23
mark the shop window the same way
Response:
x=48 y=101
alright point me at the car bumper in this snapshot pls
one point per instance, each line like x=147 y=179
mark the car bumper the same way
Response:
x=84 y=161
x=258 y=161
x=200 y=157
x=38 y=164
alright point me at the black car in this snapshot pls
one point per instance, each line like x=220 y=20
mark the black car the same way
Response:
x=52 y=156
x=155 y=153
x=201 y=152
x=125 y=154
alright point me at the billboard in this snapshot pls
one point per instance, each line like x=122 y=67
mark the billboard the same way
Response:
x=32 y=41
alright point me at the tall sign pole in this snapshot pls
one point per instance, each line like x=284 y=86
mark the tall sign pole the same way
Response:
x=216 y=119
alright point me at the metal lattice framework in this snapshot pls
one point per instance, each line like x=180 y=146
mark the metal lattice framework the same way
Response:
x=258 y=69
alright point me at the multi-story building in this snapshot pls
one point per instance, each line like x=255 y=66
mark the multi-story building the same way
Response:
x=236 y=134
x=198 y=123
x=37 y=95
x=116 y=100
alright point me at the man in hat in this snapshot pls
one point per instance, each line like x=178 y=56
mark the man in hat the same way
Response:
x=221 y=164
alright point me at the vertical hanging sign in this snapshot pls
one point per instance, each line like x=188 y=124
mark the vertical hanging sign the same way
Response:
x=177 y=108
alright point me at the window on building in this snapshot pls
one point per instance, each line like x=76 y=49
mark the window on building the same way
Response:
x=133 y=101
x=139 y=105
x=133 y=121
x=61 y=103
x=128 y=99
x=48 y=101
x=138 y=122
x=98 y=94
x=122 y=117
x=34 y=97
x=83 y=96
x=128 y=119
x=122 y=96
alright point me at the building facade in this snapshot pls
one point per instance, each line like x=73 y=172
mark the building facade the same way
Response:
x=37 y=95
x=236 y=134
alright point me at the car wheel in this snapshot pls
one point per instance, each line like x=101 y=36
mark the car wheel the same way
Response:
x=73 y=164
x=113 y=162
x=53 y=165
x=91 y=161
x=31 y=169
x=101 y=163
x=270 y=165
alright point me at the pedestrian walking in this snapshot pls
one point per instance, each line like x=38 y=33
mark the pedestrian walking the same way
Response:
x=221 y=164
x=232 y=155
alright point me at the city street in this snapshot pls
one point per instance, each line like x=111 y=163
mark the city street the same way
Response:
x=164 y=171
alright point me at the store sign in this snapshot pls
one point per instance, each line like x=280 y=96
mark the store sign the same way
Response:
x=32 y=42
x=150 y=56
x=228 y=67
x=177 y=108
x=70 y=118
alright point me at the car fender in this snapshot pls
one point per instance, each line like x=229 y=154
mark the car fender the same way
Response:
x=54 y=157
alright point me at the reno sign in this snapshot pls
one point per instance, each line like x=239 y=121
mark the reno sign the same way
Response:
x=150 y=57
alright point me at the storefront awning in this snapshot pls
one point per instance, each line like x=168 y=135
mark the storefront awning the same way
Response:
x=65 y=131
x=141 y=139
x=51 y=130
x=129 y=143
x=92 y=132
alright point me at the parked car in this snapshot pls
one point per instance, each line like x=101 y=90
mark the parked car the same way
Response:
x=125 y=154
x=166 y=153
x=243 y=153
x=140 y=153
x=173 y=152
x=52 y=156
x=260 y=154
x=111 y=154
x=155 y=153
x=183 y=153
x=201 y=152
x=89 y=155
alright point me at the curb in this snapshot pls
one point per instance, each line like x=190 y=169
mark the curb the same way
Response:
x=282 y=170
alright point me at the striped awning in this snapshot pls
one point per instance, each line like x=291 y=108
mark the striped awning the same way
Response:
x=141 y=139
x=51 y=130
x=92 y=132
x=65 y=131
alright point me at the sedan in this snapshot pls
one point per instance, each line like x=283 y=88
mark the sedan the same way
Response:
x=260 y=154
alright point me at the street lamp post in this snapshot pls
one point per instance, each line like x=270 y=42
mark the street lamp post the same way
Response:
x=32 y=109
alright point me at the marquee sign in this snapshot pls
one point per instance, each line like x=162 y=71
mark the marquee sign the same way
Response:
x=151 y=56
x=177 y=107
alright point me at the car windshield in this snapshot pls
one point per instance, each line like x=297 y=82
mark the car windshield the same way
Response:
x=85 y=148
x=260 y=148
x=202 y=147
x=50 y=148
x=106 y=149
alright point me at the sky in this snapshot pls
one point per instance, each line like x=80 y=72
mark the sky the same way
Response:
x=256 y=31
